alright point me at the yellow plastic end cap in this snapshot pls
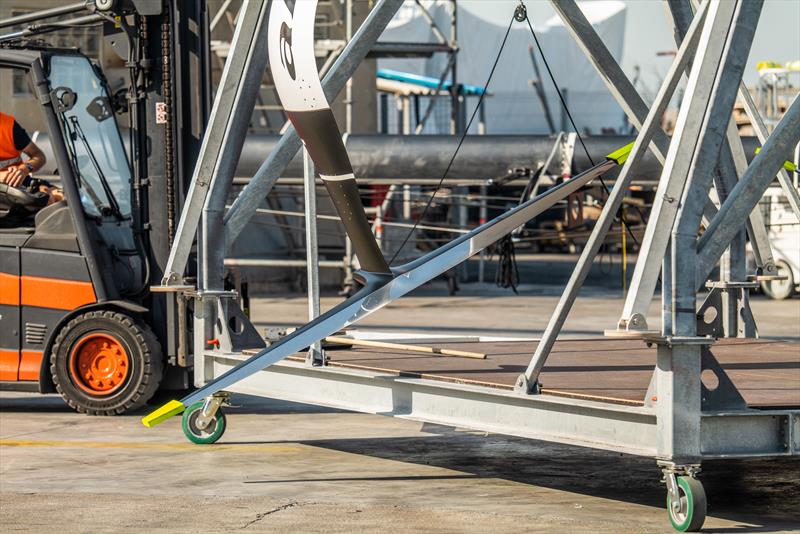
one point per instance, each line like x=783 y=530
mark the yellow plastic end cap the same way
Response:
x=788 y=165
x=160 y=415
x=620 y=155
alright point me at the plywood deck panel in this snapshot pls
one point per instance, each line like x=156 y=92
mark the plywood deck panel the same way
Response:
x=767 y=373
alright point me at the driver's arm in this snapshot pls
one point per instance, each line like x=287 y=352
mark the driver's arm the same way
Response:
x=36 y=157
x=16 y=174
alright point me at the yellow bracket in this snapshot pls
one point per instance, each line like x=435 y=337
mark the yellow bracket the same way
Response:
x=160 y=415
x=620 y=155
x=788 y=165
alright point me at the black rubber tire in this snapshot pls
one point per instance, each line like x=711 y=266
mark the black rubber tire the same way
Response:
x=144 y=355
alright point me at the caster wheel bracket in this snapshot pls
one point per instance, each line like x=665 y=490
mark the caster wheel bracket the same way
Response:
x=210 y=407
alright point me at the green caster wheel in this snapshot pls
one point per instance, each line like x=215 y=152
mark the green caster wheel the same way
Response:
x=689 y=513
x=202 y=436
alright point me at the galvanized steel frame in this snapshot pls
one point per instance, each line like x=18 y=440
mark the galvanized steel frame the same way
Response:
x=628 y=429
x=676 y=429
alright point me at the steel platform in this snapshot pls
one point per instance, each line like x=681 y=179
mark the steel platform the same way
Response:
x=593 y=395
x=766 y=373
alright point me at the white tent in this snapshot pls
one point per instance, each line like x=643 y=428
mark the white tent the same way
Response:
x=513 y=106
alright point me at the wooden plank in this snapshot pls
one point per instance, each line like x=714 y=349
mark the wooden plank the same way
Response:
x=404 y=346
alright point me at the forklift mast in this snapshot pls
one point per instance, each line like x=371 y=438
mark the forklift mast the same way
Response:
x=169 y=104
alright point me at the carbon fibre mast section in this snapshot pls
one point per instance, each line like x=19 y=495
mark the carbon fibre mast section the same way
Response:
x=294 y=70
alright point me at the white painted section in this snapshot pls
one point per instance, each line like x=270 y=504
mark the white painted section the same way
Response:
x=295 y=55
x=421 y=337
x=338 y=178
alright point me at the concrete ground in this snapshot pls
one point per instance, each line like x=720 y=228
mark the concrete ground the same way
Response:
x=284 y=467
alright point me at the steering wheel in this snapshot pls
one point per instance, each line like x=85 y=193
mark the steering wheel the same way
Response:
x=13 y=196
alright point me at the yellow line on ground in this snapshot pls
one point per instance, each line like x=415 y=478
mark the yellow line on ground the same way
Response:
x=256 y=447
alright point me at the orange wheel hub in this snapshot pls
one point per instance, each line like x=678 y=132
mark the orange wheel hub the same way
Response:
x=99 y=364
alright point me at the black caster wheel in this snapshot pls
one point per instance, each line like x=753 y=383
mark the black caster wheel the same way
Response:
x=689 y=513
x=202 y=436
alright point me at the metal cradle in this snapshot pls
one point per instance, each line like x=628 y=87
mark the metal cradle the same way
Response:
x=705 y=179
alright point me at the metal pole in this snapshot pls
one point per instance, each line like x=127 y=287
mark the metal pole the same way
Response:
x=734 y=37
x=732 y=163
x=223 y=140
x=348 y=90
x=312 y=252
x=618 y=84
x=213 y=176
x=407 y=202
x=437 y=33
x=483 y=211
x=44 y=14
x=761 y=132
x=463 y=192
x=756 y=227
x=49 y=27
x=220 y=13
x=666 y=292
x=406 y=114
x=676 y=167
x=254 y=20
x=723 y=51
x=482 y=214
x=356 y=50
x=748 y=191
x=539 y=89
x=529 y=381
x=455 y=127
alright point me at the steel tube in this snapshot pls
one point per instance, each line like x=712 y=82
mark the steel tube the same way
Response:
x=312 y=252
x=762 y=134
x=43 y=14
x=219 y=153
x=736 y=36
x=732 y=164
x=650 y=126
x=268 y=262
x=677 y=166
x=748 y=191
x=423 y=158
x=38 y=29
x=618 y=84
x=482 y=157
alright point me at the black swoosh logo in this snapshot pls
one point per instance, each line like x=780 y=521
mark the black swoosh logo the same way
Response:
x=287 y=58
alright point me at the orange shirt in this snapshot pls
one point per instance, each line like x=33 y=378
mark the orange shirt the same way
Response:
x=8 y=150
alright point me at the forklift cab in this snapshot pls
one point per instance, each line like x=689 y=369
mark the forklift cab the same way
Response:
x=73 y=274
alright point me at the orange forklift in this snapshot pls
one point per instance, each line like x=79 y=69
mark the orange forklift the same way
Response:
x=76 y=313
